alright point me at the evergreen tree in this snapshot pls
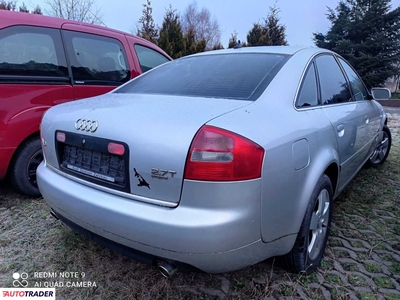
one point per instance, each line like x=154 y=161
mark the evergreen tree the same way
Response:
x=148 y=29
x=367 y=34
x=37 y=10
x=171 y=37
x=258 y=36
x=271 y=33
x=218 y=47
x=23 y=8
x=191 y=45
x=276 y=32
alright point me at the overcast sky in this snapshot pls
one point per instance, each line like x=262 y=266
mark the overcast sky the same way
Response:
x=301 y=17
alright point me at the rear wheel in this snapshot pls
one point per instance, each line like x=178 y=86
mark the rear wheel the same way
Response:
x=382 y=149
x=312 y=238
x=23 y=170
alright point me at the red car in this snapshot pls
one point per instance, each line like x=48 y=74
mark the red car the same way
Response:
x=45 y=61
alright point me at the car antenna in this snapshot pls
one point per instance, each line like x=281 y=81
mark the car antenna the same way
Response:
x=238 y=45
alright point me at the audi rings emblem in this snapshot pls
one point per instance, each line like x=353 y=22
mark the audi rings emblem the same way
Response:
x=86 y=125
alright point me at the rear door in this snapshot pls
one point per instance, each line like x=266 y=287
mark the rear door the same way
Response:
x=98 y=63
x=346 y=116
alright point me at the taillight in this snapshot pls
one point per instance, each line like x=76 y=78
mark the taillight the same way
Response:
x=220 y=155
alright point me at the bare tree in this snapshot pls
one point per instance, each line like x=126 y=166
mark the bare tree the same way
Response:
x=78 y=10
x=205 y=26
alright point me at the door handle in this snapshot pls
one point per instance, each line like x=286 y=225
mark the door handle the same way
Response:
x=366 y=119
x=340 y=130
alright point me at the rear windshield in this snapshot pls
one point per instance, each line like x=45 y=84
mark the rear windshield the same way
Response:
x=241 y=76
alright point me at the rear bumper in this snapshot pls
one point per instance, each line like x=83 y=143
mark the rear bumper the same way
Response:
x=206 y=236
x=5 y=158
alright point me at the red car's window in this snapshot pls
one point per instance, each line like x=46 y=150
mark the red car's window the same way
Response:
x=96 y=59
x=149 y=58
x=32 y=51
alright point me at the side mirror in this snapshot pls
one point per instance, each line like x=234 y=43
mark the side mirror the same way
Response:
x=381 y=93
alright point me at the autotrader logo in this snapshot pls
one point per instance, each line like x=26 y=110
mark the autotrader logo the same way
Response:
x=20 y=280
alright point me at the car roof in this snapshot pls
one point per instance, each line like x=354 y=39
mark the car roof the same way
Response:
x=10 y=18
x=288 y=50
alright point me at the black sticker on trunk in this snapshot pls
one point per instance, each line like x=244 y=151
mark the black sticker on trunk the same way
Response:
x=142 y=182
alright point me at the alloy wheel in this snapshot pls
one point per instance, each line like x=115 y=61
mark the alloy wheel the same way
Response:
x=319 y=224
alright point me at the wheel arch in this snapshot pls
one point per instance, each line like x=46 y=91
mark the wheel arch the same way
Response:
x=332 y=171
x=325 y=161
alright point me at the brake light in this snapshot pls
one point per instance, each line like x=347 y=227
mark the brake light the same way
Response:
x=220 y=155
x=115 y=148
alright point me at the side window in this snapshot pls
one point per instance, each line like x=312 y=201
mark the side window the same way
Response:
x=96 y=59
x=308 y=95
x=356 y=84
x=32 y=51
x=149 y=58
x=334 y=87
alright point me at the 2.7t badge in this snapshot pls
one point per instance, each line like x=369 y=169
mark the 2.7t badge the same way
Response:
x=162 y=174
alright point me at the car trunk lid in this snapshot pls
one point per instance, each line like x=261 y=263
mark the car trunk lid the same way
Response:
x=158 y=130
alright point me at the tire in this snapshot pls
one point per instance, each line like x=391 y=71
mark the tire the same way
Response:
x=310 y=244
x=382 y=150
x=23 y=168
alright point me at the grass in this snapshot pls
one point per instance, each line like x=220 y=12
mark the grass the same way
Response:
x=366 y=217
x=395 y=96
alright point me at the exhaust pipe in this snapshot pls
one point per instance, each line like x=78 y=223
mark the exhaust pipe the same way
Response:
x=53 y=214
x=166 y=269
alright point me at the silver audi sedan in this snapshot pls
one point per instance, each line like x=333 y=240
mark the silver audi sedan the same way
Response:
x=217 y=160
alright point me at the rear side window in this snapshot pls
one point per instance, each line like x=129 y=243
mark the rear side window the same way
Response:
x=32 y=51
x=149 y=58
x=96 y=59
x=241 y=76
x=334 y=87
x=308 y=95
x=356 y=84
